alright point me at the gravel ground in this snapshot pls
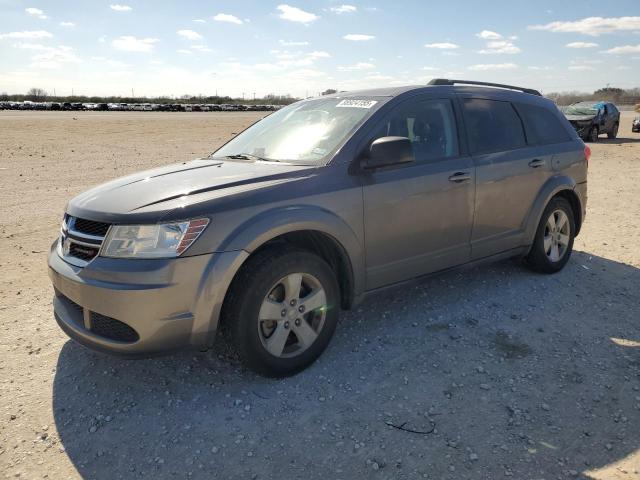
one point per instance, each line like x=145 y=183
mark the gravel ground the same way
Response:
x=489 y=373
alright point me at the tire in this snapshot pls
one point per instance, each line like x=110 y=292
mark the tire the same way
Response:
x=614 y=132
x=541 y=257
x=593 y=134
x=260 y=292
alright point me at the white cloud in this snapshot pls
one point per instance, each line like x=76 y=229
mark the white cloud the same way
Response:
x=623 y=50
x=120 y=8
x=442 y=46
x=488 y=35
x=319 y=54
x=184 y=51
x=500 y=47
x=27 y=34
x=343 y=9
x=483 y=67
x=429 y=69
x=580 y=67
x=129 y=43
x=357 y=66
x=36 y=12
x=581 y=45
x=593 y=26
x=67 y=24
x=294 y=14
x=286 y=43
x=358 y=37
x=201 y=48
x=199 y=20
x=225 y=17
x=189 y=34
x=52 y=57
x=298 y=59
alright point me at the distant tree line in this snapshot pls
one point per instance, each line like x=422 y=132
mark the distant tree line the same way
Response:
x=41 y=95
x=609 y=94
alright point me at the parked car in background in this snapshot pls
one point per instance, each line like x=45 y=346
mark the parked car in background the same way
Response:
x=591 y=119
x=635 y=126
x=310 y=210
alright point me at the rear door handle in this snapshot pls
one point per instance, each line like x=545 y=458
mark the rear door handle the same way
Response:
x=460 y=177
x=537 y=163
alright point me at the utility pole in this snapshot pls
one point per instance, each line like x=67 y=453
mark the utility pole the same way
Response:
x=132 y=93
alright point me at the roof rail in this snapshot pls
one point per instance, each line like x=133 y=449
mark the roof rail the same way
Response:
x=446 y=81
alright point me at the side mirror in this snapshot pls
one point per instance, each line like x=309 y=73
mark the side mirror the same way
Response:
x=387 y=151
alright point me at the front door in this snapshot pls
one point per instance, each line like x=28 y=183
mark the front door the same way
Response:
x=418 y=216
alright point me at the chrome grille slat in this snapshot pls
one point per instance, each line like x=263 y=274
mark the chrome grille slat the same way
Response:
x=79 y=242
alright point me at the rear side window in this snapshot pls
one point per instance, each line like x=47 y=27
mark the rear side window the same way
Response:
x=492 y=126
x=543 y=127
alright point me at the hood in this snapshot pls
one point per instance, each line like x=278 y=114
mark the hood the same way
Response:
x=580 y=118
x=154 y=189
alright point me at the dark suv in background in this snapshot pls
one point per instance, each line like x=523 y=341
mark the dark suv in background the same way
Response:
x=591 y=119
x=312 y=209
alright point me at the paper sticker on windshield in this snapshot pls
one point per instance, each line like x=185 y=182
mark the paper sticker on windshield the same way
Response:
x=357 y=103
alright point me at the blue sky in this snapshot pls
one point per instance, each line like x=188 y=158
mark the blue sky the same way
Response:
x=303 y=47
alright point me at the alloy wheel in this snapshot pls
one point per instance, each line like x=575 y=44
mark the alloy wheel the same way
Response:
x=292 y=315
x=557 y=233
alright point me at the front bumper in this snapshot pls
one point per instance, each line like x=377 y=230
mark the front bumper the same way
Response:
x=168 y=303
x=582 y=129
x=635 y=128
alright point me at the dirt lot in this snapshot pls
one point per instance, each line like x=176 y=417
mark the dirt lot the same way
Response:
x=513 y=374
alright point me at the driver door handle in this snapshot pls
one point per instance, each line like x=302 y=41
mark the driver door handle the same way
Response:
x=460 y=177
x=536 y=163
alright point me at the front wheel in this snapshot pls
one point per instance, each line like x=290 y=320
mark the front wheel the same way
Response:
x=282 y=311
x=614 y=132
x=553 y=242
x=593 y=134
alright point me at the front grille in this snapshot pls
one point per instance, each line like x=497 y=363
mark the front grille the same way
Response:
x=113 y=329
x=82 y=252
x=89 y=227
x=81 y=239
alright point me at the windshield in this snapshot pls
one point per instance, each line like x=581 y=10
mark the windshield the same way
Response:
x=303 y=133
x=581 y=109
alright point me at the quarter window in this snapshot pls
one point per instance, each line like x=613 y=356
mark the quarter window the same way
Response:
x=492 y=126
x=429 y=124
x=543 y=127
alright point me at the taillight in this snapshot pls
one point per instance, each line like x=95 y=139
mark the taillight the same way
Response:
x=587 y=153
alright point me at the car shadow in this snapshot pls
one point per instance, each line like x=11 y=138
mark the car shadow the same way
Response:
x=618 y=140
x=483 y=373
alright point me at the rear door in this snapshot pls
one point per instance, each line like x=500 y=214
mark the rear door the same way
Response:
x=418 y=216
x=509 y=174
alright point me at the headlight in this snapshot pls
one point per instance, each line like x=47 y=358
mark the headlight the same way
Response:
x=152 y=241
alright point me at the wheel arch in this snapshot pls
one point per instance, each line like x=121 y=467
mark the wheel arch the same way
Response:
x=562 y=186
x=310 y=228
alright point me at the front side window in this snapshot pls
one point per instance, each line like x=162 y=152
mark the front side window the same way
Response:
x=492 y=126
x=306 y=132
x=429 y=124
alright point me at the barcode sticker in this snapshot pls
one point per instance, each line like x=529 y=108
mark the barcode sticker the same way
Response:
x=357 y=103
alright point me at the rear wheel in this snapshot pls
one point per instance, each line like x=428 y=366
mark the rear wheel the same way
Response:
x=614 y=132
x=553 y=242
x=593 y=134
x=282 y=311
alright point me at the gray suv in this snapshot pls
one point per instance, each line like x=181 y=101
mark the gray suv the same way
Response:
x=310 y=210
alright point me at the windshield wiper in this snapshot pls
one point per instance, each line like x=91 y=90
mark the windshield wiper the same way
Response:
x=246 y=156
